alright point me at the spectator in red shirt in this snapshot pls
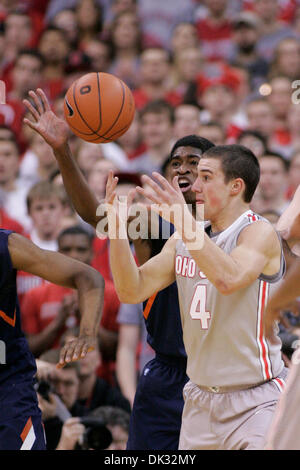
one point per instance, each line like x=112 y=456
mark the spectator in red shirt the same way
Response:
x=48 y=310
x=215 y=31
x=155 y=68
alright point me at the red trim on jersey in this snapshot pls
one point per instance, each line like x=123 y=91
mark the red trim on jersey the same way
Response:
x=26 y=429
x=7 y=319
x=279 y=383
x=261 y=339
x=149 y=305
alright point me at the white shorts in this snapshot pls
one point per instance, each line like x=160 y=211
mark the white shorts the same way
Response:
x=235 y=420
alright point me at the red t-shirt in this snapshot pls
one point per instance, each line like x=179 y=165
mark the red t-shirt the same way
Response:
x=8 y=223
x=41 y=305
x=215 y=40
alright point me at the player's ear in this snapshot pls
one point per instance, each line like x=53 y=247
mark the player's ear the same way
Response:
x=236 y=186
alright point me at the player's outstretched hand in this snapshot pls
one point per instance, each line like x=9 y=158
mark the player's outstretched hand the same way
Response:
x=54 y=130
x=76 y=349
x=164 y=195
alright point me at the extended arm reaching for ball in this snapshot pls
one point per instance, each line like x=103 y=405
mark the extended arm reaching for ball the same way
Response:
x=55 y=131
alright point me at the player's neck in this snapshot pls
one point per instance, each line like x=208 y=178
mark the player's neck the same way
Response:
x=227 y=216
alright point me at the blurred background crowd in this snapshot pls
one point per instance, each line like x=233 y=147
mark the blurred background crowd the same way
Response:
x=227 y=70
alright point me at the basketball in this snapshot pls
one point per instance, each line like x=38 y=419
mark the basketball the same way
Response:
x=99 y=107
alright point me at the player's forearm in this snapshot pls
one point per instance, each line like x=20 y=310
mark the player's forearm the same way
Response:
x=288 y=290
x=219 y=268
x=126 y=373
x=90 y=286
x=83 y=199
x=124 y=271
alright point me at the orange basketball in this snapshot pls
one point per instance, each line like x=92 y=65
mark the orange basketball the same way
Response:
x=99 y=107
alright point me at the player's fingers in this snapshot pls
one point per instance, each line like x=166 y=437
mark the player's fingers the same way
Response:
x=147 y=194
x=31 y=109
x=176 y=184
x=44 y=99
x=37 y=101
x=162 y=180
x=31 y=124
x=156 y=188
x=65 y=353
x=130 y=197
x=110 y=198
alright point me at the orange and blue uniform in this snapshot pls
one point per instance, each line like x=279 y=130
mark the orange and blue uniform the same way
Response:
x=20 y=418
x=156 y=415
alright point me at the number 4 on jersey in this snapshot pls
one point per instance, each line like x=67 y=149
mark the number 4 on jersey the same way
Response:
x=198 y=307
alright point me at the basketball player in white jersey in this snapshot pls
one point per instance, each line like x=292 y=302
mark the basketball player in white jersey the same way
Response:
x=284 y=433
x=236 y=376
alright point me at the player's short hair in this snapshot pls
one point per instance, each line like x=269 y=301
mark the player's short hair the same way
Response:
x=43 y=190
x=75 y=230
x=237 y=161
x=192 y=140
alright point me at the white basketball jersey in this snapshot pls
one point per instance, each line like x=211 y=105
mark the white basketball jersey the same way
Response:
x=223 y=335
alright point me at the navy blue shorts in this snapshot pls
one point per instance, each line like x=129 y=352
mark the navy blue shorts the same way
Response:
x=21 y=425
x=156 y=415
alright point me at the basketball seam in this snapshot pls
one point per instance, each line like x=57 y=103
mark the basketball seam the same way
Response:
x=82 y=118
x=119 y=114
x=99 y=98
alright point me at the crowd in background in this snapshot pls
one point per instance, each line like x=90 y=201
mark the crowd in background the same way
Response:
x=227 y=70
